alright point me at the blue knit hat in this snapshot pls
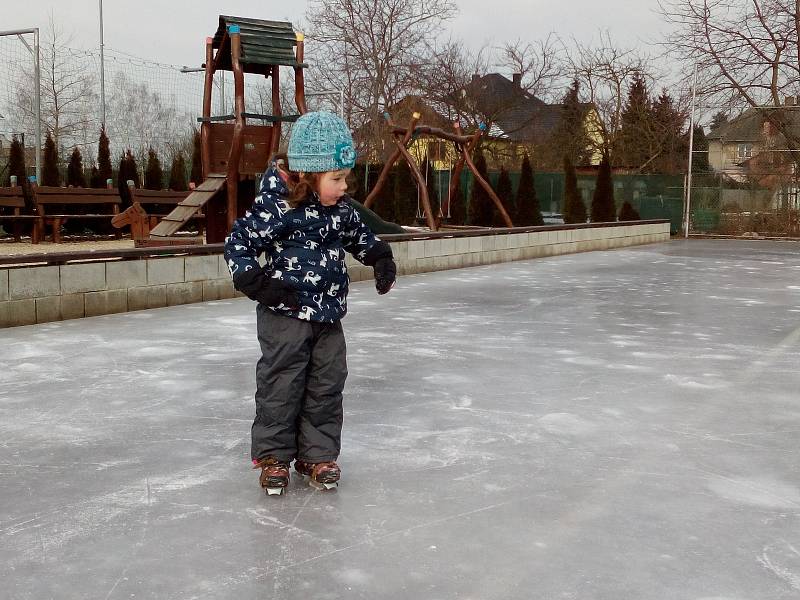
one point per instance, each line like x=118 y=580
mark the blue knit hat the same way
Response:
x=320 y=141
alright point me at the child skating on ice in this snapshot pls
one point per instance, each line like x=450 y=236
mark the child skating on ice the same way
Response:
x=303 y=224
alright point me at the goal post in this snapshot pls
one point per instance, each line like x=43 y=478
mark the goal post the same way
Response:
x=37 y=99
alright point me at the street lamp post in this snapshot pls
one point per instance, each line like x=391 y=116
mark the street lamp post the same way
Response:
x=102 y=73
x=691 y=150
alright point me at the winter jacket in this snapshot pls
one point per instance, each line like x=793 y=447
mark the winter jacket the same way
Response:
x=303 y=246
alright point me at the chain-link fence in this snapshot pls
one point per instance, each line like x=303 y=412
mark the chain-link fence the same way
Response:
x=745 y=173
x=765 y=206
x=147 y=104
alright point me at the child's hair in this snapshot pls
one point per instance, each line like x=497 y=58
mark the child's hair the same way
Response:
x=300 y=185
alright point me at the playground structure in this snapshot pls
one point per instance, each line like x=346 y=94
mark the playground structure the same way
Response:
x=234 y=151
x=464 y=145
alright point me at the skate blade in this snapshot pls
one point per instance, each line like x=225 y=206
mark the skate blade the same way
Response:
x=274 y=491
x=323 y=486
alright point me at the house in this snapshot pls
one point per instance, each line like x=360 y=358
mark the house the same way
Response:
x=517 y=121
x=750 y=149
x=749 y=145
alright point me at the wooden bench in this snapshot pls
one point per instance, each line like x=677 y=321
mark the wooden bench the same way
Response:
x=13 y=210
x=148 y=208
x=66 y=202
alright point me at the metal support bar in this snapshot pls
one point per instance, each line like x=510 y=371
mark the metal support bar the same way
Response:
x=37 y=74
x=37 y=97
x=691 y=148
x=102 y=72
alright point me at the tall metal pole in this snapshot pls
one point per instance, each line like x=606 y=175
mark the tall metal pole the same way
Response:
x=102 y=72
x=691 y=150
x=37 y=75
x=37 y=93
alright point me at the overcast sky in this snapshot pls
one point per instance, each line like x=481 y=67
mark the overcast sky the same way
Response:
x=174 y=31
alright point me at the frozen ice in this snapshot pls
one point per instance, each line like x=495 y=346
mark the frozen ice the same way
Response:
x=615 y=425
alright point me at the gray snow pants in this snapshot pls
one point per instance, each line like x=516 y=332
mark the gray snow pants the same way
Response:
x=299 y=381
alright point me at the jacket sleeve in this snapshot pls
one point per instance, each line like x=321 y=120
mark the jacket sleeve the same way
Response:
x=357 y=238
x=251 y=234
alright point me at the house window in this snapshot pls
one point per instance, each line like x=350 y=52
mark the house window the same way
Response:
x=744 y=151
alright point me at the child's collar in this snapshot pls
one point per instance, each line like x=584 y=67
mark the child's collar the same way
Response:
x=273 y=181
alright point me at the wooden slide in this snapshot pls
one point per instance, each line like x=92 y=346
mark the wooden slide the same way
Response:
x=187 y=208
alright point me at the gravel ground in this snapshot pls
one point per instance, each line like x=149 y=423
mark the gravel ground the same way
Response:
x=9 y=248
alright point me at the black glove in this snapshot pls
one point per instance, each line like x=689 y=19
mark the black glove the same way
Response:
x=380 y=258
x=258 y=286
x=385 y=273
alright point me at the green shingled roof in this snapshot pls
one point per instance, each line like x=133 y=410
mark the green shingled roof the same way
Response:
x=263 y=43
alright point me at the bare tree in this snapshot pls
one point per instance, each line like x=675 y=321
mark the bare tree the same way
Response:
x=605 y=71
x=452 y=85
x=539 y=64
x=747 y=53
x=68 y=97
x=372 y=50
x=446 y=77
x=456 y=85
x=139 y=119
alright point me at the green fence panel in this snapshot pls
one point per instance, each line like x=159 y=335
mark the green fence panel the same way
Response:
x=705 y=219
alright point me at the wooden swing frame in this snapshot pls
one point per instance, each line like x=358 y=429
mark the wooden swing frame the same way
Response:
x=464 y=145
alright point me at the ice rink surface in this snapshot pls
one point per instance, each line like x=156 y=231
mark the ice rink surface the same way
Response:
x=617 y=425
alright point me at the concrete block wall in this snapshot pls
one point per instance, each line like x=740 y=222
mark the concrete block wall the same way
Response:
x=40 y=294
x=421 y=256
x=31 y=295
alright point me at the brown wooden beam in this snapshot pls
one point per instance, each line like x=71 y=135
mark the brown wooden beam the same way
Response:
x=435 y=132
x=237 y=141
x=299 y=76
x=384 y=175
x=205 y=127
x=277 y=110
x=421 y=187
x=455 y=174
x=485 y=185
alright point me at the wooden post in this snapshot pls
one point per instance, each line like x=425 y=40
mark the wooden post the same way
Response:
x=237 y=141
x=205 y=126
x=485 y=185
x=465 y=149
x=423 y=189
x=299 y=76
x=384 y=175
x=277 y=110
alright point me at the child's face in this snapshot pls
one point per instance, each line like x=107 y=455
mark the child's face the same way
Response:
x=332 y=186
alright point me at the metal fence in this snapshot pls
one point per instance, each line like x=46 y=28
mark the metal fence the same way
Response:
x=725 y=207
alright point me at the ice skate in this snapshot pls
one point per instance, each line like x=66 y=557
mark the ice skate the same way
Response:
x=323 y=476
x=274 y=475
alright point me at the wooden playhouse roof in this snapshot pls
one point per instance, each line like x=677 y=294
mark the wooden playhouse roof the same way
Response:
x=264 y=43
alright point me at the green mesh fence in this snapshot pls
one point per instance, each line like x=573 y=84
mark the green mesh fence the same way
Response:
x=653 y=196
x=725 y=207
